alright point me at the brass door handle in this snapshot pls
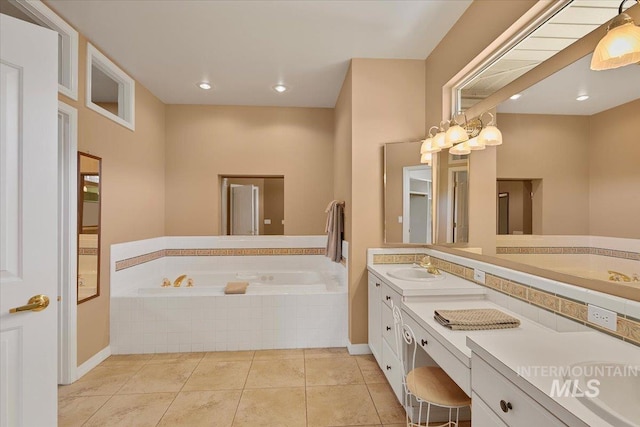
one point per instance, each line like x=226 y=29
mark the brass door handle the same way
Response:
x=36 y=303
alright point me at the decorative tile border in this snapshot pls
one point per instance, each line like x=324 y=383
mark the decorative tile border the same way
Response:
x=564 y=250
x=87 y=251
x=141 y=259
x=628 y=328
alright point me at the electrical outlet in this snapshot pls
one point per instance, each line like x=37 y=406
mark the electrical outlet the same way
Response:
x=602 y=317
x=478 y=275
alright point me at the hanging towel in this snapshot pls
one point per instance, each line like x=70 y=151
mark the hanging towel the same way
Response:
x=334 y=230
x=475 y=319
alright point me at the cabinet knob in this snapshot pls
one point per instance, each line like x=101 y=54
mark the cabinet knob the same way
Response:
x=423 y=342
x=387 y=297
x=388 y=368
x=377 y=285
x=388 y=328
x=505 y=406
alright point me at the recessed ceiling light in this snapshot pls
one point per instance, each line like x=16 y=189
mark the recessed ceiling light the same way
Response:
x=204 y=85
x=582 y=98
x=280 y=88
x=516 y=96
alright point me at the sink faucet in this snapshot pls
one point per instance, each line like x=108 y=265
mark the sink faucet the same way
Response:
x=179 y=280
x=426 y=263
x=616 y=276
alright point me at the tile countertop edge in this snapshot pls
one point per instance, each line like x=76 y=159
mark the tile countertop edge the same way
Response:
x=499 y=354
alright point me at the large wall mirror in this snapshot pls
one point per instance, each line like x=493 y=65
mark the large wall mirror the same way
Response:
x=568 y=172
x=252 y=205
x=408 y=201
x=89 y=202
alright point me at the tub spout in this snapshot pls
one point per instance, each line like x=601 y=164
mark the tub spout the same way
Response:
x=179 y=280
x=616 y=276
x=166 y=283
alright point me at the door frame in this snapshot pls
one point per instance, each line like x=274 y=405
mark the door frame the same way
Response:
x=68 y=244
x=450 y=202
x=406 y=203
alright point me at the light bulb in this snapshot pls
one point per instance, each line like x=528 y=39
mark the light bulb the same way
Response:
x=456 y=134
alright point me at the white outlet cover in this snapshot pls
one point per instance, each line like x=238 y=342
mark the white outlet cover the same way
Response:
x=400 y=219
x=478 y=276
x=602 y=317
x=267 y=221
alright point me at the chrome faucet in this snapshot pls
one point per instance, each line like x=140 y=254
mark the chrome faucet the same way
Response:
x=426 y=263
x=616 y=276
x=179 y=280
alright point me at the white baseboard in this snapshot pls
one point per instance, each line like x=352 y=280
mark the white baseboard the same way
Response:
x=355 y=349
x=94 y=361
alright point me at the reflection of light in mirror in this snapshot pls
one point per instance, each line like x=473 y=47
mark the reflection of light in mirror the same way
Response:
x=582 y=98
x=516 y=96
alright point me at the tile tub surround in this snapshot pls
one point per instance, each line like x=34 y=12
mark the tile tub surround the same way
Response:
x=161 y=324
x=554 y=304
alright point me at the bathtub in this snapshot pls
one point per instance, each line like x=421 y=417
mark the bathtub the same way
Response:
x=292 y=301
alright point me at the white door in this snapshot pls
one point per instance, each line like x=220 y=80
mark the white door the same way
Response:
x=244 y=210
x=28 y=223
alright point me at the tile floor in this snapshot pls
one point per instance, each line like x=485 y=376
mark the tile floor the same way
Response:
x=314 y=387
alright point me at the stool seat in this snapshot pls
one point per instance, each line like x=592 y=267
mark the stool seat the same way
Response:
x=432 y=384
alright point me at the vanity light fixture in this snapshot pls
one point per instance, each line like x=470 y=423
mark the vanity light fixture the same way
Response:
x=490 y=135
x=428 y=144
x=456 y=133
x=582 y=98
x=460 y=149
x=620 y=46
x=426 y=158
x=516 y=96
x=280 y=88
x=440 y=139
x=204 y=85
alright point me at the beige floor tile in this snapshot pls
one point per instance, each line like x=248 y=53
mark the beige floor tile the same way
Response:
x=74 y=411
x=100 y=381
x=342 y=405
x=159 y=378
x=202 y=408
x=276 y=373
x=140 y=410
x=316 y=353
x=279 y=354
x=226 y=356
x=176 y=357
x=386 y=403
x=333 y=371
x=213 y=375
x=126 y=360
x=370 y=370
x=282 y=407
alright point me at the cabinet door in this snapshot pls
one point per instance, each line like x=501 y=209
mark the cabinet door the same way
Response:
x=393 y=370
x=375 y=331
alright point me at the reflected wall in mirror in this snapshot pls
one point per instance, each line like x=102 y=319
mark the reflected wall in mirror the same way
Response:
x=252 y=205
x=89 y=208
x=408 y=201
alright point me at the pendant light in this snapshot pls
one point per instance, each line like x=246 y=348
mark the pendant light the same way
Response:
x=620 y=46
x=428 y=145
x=490 y=135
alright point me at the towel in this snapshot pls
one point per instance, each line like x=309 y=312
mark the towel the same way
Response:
x=334 y=230
x=236 y=288
x=475 y=319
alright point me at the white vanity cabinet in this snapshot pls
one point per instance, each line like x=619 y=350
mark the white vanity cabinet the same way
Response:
x=375 y=316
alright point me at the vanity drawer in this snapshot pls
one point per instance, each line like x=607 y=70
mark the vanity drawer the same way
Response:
x=392 y=368
x=388 y=328
x=453 y=366
x=505 y=399
x=483 y=416
x=389 y=295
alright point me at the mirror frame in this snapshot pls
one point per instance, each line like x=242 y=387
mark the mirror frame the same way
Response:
x=81 y=176
x=574 y=52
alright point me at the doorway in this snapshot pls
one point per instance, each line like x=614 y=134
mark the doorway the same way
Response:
x=515 y=206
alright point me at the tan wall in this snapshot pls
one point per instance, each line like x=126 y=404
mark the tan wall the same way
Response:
x=204 y=142
x=132 y=191
x=466 y=40
x=614 y=179
x=397 y=156
x=553 y=148
x=343 y=141
x=387 y=106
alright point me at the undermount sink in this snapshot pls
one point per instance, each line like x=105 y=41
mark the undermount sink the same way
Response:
x=415 y=274
x=614 y=389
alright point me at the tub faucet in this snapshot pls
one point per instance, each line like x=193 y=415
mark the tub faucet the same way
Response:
x=616 y=276
x=426 y=263
x=179 y=280
x=166 y=283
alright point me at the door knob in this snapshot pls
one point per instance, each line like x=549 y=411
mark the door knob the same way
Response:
x=36 y=303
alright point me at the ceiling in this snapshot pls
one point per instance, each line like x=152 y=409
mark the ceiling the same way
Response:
x=244 y=48
x=563 y=29
x=606 y=89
